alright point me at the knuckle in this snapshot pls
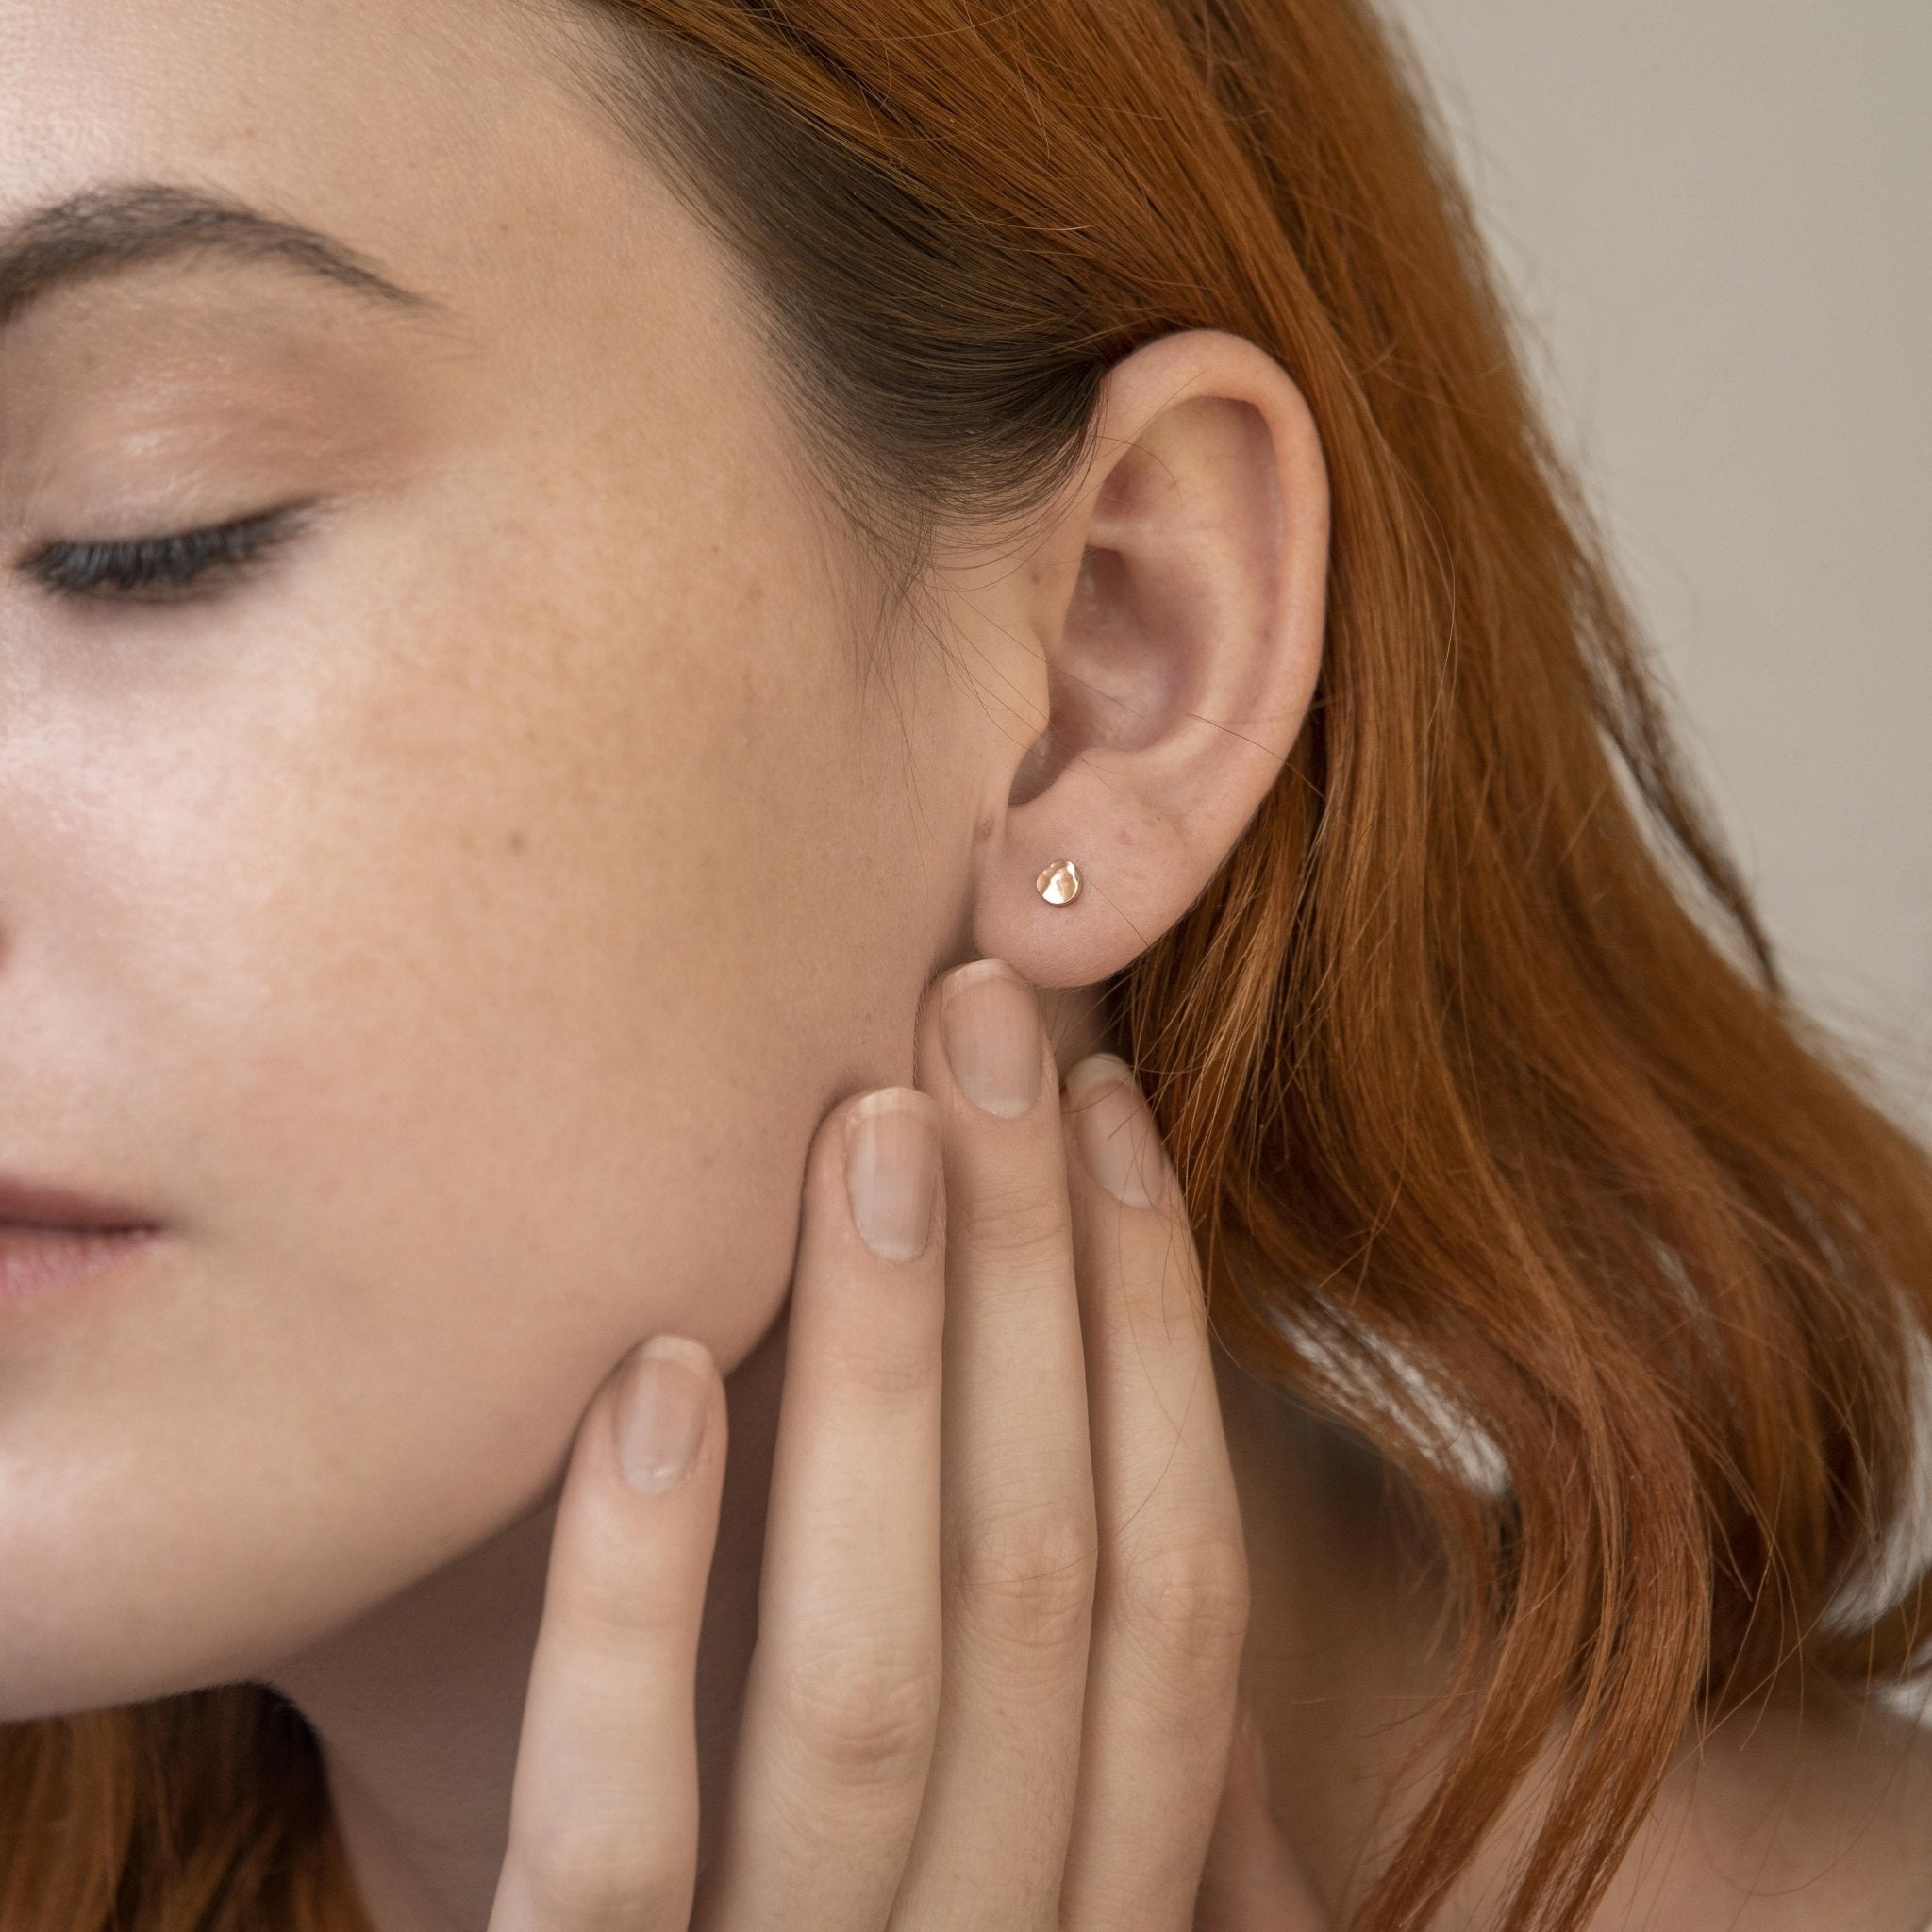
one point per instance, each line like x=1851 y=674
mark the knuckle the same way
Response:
x=1027 y=1575
x=606 y=1614
x=607 y=1602
x=601 y=1871
x=1013 y=1223
x=894 y=1351
x=865 y=1716
x=1163 y=1295
x=1187 y=1603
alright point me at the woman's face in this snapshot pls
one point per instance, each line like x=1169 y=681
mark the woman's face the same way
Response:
x=452 y=926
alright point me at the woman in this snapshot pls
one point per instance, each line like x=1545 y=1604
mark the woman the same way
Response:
x=598 y=593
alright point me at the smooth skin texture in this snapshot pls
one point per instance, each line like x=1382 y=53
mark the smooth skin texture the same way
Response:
x=1004 y=1589
x=457 y=929
x=454 y=929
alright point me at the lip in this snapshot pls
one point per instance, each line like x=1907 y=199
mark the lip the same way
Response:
x=53 y=1238
x=40 y=1205
x=40 y=1262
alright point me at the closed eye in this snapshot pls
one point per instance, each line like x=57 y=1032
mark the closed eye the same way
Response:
x=164 y=568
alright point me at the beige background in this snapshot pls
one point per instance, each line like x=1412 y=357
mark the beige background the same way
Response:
x=1714 y=215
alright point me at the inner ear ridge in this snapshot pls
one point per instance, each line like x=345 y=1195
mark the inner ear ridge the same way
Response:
x=1041 y=765
x=1083 y=717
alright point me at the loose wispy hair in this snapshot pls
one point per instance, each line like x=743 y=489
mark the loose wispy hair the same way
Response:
x=1472 y=1056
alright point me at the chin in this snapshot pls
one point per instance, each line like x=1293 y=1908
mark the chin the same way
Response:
x=98 y=1614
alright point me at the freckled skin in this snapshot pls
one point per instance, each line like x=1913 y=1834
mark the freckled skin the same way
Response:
x=456 y=935
x=452 y=936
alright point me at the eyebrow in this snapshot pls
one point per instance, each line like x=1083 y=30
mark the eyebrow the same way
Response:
x=107 y=230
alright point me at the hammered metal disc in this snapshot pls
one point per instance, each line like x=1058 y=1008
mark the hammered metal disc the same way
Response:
x=1059 y=884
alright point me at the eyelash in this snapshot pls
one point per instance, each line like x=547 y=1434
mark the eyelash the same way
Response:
x=159 y=569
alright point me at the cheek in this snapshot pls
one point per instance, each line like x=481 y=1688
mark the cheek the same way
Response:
x=549 y=947
x=478 y=1010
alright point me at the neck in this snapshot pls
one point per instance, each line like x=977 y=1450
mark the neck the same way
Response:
x=418 y=1704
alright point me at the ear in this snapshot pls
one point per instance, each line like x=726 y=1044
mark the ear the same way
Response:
x=1155 y=655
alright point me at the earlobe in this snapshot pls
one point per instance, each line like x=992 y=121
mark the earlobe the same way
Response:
x=1173 y=601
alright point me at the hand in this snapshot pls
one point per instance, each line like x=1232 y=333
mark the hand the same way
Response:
x=999 y=1636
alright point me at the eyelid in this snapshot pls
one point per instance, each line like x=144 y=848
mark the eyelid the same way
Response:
x=72 y=567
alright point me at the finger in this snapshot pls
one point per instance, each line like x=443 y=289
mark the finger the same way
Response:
x=1017 y=1510
x=604 y=1801
x=844 y=1686
x=1253 y=1882
x=1171 y=1597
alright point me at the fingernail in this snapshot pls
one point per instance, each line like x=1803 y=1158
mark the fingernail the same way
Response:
x=891 y=1162
x=1118 y=1137
x=990 y=1024
x=660 y=1414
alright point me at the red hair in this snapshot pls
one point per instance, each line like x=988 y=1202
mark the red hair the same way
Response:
x=1473 y=1058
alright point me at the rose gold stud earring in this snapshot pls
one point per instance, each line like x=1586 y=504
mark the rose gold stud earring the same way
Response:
x=1060 y=884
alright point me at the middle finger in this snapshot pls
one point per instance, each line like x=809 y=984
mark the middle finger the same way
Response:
x=1018 y=1520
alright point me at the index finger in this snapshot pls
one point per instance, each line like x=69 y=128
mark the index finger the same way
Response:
x=603 y=1803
